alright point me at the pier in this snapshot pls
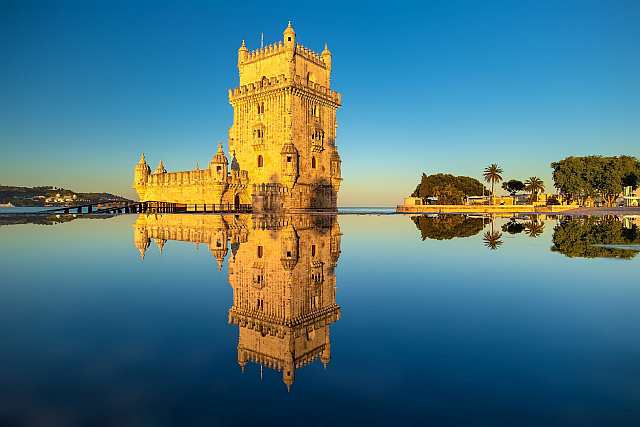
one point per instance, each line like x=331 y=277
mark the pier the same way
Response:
x=128 y=207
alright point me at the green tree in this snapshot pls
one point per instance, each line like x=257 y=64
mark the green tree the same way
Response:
x=492 y=174
x=534 y=185
x=449 y=189
x=580 y=177
x=512 y=187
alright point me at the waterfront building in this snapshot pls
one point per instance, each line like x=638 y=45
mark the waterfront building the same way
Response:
x=282 y=142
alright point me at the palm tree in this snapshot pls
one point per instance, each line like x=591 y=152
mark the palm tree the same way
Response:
x=534 y=185
x=492 y=175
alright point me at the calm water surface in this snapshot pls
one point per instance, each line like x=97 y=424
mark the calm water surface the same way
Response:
x=158 y=320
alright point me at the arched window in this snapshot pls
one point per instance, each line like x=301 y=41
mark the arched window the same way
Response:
x=260 y=251
x=313 y=162
x=260 y=107
x=261 y=161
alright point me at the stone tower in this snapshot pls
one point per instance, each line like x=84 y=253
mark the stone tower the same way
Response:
x=284 y=126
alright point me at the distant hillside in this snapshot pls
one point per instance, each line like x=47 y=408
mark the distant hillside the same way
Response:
x=51 y=196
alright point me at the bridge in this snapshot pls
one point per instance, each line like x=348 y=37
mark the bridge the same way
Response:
x=126 y=207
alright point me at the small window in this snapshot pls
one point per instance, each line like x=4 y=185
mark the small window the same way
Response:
x=260 y=251
x=218 y=169
x=313 y=163
x=288 y=254
x=313 y=250
x=288 y=159
x=288 y=39
x=261 y=161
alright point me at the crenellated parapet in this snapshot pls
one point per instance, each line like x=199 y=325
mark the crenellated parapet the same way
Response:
x=214 y=185
x=264 y=52
x=278 y=48
x=310 y=55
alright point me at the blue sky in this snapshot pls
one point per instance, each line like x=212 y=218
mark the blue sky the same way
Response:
x=433 y=86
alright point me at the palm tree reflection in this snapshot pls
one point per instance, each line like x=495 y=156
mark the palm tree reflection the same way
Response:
x=492 y=239
x=534 y=228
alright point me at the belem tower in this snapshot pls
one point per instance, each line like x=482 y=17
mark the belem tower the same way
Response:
x=282 y=144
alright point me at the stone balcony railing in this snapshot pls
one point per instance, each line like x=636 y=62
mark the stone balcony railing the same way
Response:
x=281 y=82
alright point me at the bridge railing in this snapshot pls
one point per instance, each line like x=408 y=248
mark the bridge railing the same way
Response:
x=150 y=206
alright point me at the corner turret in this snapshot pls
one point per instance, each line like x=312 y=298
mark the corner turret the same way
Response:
x=289 y=165
x=160 y=168
x=218 y=165
x=141 y=240
x=336 y=173
x=325 y=357
x=289 y=37
x=243 y=53
x=141 y=172
x=289 y=248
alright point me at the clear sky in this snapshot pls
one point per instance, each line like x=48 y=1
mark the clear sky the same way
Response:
x=433 y=86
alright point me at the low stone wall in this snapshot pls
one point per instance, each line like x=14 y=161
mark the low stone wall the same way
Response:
x=482 y=209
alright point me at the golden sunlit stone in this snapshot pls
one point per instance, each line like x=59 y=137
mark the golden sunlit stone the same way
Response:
x=282 y=141
x=282 y=271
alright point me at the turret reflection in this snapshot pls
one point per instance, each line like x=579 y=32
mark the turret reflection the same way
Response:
x=282 y=271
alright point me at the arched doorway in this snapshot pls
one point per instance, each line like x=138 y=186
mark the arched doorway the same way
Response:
x=236 y=202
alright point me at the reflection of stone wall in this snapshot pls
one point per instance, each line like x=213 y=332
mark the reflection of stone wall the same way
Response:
x=284 y=288
x=212 y=230
x=282 y=271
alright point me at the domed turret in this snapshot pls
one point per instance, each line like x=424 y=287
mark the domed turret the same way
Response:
x=218 y=165
x=336 y=173
x=141 y=240
x=160 y=244
x=243 y=52
x=218 y=245
x=288 y=370
x=289 y=164
x=289 y=36
x=141 y=171
x=326 y=56
x=160 y=168
x=289 y=248
x=242 y=359
x=335 y=243
x=325 y=357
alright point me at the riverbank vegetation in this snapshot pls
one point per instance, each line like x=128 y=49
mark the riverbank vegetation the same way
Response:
x=448 y=189
x=591 y=177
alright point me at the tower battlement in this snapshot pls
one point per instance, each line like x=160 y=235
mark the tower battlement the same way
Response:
x=279 y=48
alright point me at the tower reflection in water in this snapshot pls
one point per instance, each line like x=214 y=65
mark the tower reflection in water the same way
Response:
x=282 y=271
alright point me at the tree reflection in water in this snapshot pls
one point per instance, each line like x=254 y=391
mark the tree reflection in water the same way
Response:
x=446 y=227
x=584 y=238
x=534 y=228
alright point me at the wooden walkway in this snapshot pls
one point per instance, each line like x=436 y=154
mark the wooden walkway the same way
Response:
x=147 y=207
